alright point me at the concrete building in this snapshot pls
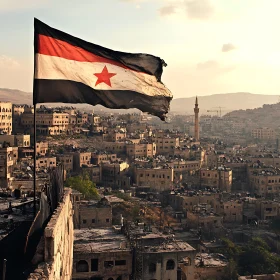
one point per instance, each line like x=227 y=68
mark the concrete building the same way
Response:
x=15 y=140
x=101 y=254
x=91 y=214
x=166 y=259
x=267 y=210
x=66 y=160
x=6 y=117
x=98 y=158
x=42 y=148
x=115 y=175
x=196 y=121
x=135 y=150
x=232 y=210
x=264 y=133
x=159 y=179
x=80 y=159
x=220 y=178
x=8 y=158
x=165 y=144
x=45 y=163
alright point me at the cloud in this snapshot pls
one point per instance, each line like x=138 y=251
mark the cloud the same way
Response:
x=8 y=62
x=167 y=10
x=194 y=9
x=228 y=47
x=199 y=9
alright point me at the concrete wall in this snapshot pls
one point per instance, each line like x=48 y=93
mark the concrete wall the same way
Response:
x=58 y=244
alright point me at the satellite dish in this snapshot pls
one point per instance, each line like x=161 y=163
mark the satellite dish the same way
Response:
x=28 y=168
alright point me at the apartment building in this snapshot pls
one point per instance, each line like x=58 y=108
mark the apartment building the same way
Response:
x=158 y=178
x=6 y=117
x=220 y=178
x=165 y=144
x=134 y=150
x=45 y=163
x=232 y=210
x=15 y=140
x=100 y=157
x=8 y=158
x=264 y=133
x=66 y=160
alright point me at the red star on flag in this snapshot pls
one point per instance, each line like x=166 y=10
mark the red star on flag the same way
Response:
x=104 y=77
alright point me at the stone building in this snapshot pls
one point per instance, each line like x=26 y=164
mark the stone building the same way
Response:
x=6 y=117
x=232 y=210
x=166 y=259
x=80 y=159
x=101 y=254
x=267 y=210
x=220 y=178
x=264 y=133
x=15 y=140
x=90 y=214
x=134 y=150
x=8 y=158
x=158 y=178
x=100 y=157
x=115 y=174
x=264 y=181
x=45 y=163
x=165 y=144
x=42 y=148
x=66 y=160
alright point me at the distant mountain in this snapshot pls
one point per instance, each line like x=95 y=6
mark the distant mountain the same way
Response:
x=228 y=101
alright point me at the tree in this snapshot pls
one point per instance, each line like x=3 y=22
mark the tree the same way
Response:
x=256 y=258
x=84 y=185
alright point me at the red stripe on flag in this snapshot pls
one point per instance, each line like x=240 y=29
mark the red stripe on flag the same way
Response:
x=54 y=47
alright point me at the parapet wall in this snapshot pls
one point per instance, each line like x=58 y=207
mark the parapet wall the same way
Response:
x=57 y=244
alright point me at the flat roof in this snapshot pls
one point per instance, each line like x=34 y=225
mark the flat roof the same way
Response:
x=99 y=240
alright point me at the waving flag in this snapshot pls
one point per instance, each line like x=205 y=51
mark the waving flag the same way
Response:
x=70 y=70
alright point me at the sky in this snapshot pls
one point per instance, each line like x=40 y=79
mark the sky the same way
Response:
x=210 y=46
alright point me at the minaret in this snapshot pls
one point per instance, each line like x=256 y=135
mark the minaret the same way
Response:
x=196 y=121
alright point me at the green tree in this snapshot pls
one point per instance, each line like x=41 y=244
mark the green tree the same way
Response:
x=256 y=258
x=84 y=185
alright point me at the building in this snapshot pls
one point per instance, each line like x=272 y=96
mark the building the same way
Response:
x=8 y=158
x=220 y=178
x=15 y=140
x=45 y=163
x=158 y=178
x=115 y=174
x=264 y=133
x=98 y=158
x=165 y=144
x=80 y=159
x=196 y=121
x=268 y=210
x=134 y=150
x=231 y=210
x=6 y=117
x=101 y=254
x=90 y=214
x=66 y=160
x=42 y=148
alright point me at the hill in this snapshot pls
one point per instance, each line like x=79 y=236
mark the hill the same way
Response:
x=228 y=101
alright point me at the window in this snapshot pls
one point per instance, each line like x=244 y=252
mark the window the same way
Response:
x=82 y=266
x=152 y=267
x=120 y=262
x=94 y=264
x=84 y=221
x=107 y=220
x=108 y=264
x=93 y=221
x=170 y=265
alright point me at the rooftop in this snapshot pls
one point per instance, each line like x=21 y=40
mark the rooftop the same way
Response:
x=99 y=240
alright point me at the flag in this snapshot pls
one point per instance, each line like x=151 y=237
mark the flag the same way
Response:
x=70 y=70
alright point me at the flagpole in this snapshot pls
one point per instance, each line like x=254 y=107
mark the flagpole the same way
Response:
x=35 y=153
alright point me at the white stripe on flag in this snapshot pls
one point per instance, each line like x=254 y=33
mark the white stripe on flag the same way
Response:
x=57 y=68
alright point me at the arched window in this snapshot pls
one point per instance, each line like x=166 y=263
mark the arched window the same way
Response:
x=82 y=266
x=152 y=267
x=170 y=265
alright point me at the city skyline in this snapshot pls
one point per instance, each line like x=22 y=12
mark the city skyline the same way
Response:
x=210 y=46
